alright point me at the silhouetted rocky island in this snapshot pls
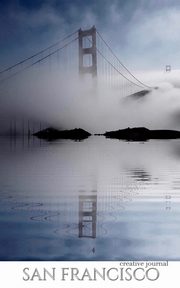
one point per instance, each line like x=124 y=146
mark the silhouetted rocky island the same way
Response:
x=54 y=134
x=142 y=134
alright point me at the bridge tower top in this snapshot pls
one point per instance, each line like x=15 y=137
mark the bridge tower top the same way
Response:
x=90 y=51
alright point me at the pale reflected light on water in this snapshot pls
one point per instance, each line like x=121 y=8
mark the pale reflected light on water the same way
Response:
x=99 y=199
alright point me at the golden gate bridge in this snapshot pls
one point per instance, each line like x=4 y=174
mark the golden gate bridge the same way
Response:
x=83 y=51
x=79 y=55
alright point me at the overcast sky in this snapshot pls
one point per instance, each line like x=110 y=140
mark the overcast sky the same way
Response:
x=144 y=33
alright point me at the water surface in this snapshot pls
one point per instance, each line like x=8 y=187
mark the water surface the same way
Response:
x=100 y=199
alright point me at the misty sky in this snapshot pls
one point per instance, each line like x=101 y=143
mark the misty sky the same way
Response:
x=144 y=34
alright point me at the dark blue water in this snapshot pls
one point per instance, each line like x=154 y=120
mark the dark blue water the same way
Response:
x=99 y=199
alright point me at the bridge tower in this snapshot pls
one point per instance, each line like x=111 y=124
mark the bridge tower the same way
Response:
x=90 y=51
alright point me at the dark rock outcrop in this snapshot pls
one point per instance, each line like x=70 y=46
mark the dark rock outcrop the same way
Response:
x=54 y=134
x=140 y=94
x=142 y=134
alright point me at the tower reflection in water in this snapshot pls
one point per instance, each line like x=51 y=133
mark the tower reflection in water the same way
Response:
x=87 y=214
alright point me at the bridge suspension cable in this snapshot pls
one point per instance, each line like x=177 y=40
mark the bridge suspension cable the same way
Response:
x=39 y=53
x=141 y=85
x=126 y=69
x=118 y=70
x=39 y=60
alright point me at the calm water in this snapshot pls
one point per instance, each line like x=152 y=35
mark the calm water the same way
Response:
x=99 y=199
